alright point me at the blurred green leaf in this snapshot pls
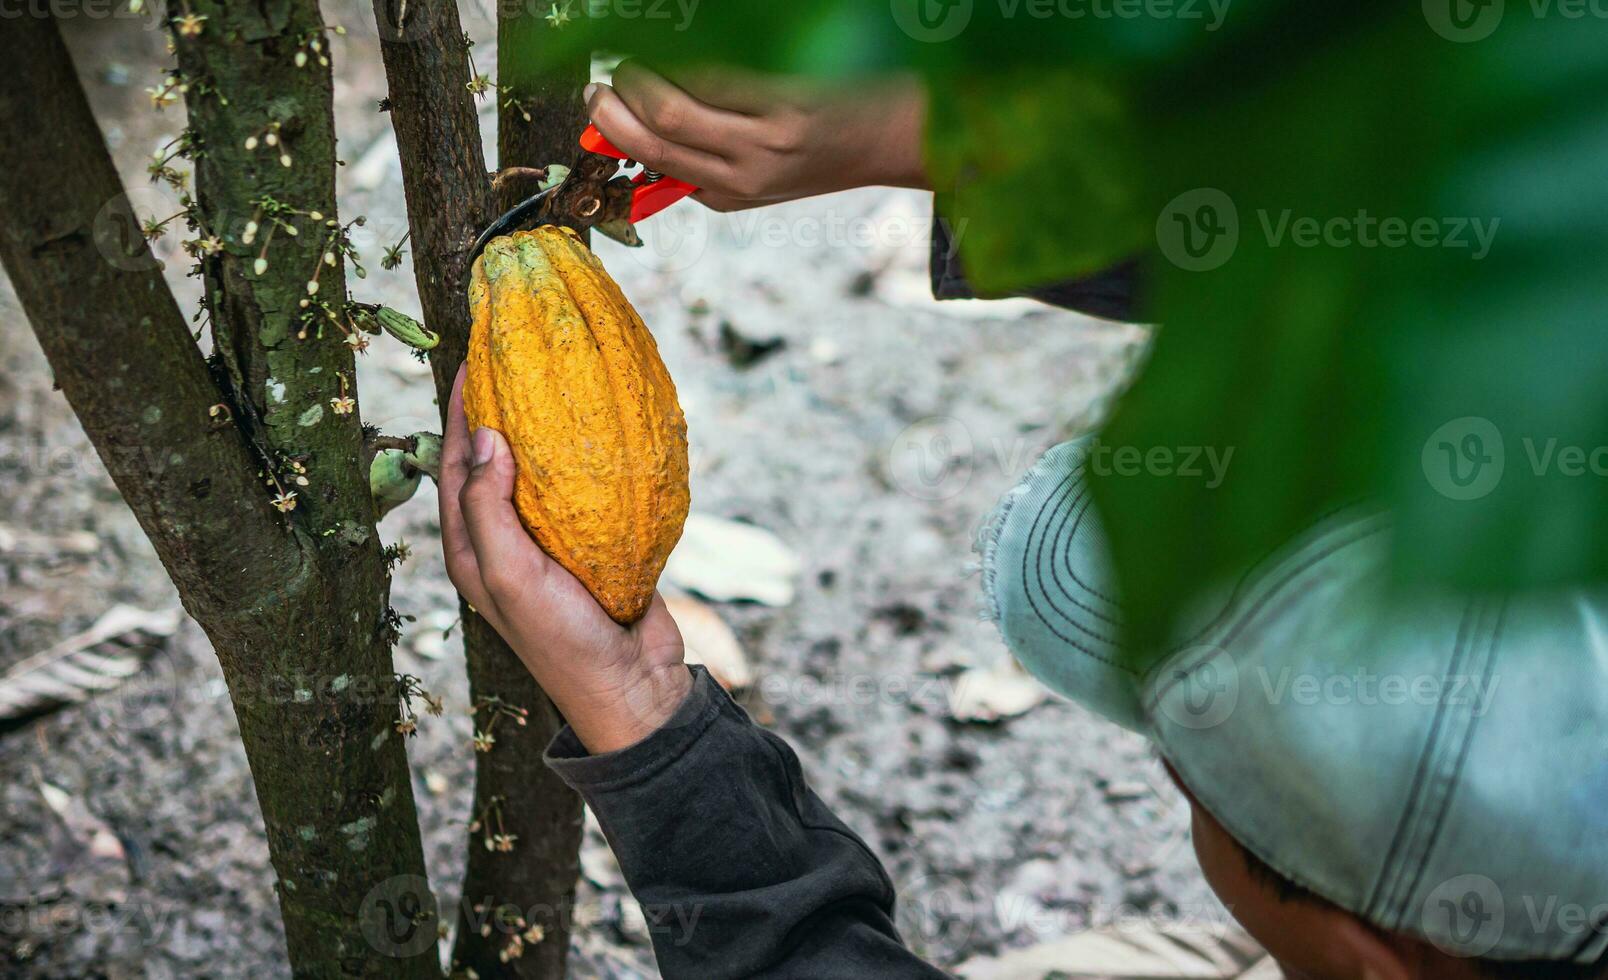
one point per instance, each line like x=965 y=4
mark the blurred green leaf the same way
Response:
x=1008 y=151
x=1251 y=154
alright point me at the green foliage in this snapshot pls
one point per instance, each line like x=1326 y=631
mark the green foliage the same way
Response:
x=1333 y=354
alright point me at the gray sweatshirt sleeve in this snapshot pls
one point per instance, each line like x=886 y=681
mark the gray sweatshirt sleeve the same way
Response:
x=740 y=869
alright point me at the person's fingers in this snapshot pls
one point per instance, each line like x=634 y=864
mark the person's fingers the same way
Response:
x=735 y=89
x=615 y=120
x=673 y=114
x=455 y=544
x=509 y=561
x=725 y=203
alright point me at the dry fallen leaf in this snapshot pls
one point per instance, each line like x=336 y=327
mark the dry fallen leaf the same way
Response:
x=726 y=561
x=710 y=642
x=98 y=659
x=994 y=693
x=23 y=543
x=92 y=856
x=1208 y=951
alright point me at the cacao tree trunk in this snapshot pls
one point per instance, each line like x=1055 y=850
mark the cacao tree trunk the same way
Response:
x=551 y=98
x=515 y=915
x=294 y=600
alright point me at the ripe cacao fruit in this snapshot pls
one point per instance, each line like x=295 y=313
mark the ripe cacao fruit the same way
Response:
x=565 y=369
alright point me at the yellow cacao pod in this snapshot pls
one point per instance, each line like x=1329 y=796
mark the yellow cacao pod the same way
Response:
x=565 y=369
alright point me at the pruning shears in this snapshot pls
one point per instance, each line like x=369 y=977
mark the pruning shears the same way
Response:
x=654 y=191
x=593 y=195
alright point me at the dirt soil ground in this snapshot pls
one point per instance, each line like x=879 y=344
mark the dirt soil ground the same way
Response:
x=804 y=344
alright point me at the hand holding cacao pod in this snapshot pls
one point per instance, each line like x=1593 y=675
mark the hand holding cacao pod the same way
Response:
x=565 y=369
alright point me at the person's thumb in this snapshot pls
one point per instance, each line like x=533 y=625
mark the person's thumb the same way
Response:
x=487 y=499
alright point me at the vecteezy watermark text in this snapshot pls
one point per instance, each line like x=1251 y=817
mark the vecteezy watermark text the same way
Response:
x=934 y=21
x=1207 y=685
x=1209 y=463
x=1466 y=458
x=935 y=458
x=1464 y=21
x=1200 y=230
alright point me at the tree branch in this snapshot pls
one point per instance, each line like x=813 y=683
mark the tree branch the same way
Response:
x=528 y=893
x=115 y=338
x=443 y=167
x=295 y=603
x=313 y=684
x=298 y=619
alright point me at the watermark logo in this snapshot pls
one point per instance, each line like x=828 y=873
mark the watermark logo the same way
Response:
x=679 y=12
x=1199 y=230
x=1464 y=21
x=119 y=235
x=1464 y=459
x=398 y=917
x=1549 y=914
x=675 y=239
x=932 y=21
x=937 y=915
x=929 y=692
x=148 y=702
x=932 y=459
x=1464 y=916
x=1202 y=690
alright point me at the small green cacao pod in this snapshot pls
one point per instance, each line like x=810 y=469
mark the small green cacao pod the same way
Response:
x=406 y=329
x=392 y=480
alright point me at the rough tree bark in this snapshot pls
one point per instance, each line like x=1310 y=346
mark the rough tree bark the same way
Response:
x=517 y=902
x=295 y=602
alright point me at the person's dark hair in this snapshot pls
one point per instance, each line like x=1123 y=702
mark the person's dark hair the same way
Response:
x=1286 y=890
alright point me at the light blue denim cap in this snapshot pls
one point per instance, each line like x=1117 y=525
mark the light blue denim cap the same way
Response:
x=1438 y=768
